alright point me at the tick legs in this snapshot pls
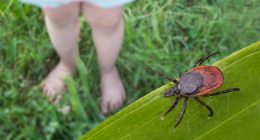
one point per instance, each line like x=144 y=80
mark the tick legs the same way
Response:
x=167 y=77
x=164 y=76
x=203 y=59
x=222 y=92
x=173 y=105
x=182 y=112
x=204 y=105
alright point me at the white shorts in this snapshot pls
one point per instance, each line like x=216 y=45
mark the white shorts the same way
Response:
x=57 y=3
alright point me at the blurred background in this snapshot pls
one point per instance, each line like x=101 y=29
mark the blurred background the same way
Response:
x=166 y=36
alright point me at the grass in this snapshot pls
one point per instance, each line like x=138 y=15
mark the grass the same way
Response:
x=166 y=36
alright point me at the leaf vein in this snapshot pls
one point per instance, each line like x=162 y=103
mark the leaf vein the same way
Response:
x=227 y=120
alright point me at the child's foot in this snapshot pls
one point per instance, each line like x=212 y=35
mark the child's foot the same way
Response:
x=53 y=86
x=113 y=92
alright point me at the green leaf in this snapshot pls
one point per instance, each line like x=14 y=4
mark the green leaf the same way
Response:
x=237 y=115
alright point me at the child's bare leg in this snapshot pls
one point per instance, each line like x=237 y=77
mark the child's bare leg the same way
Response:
x=107 y=31
x=63 y=28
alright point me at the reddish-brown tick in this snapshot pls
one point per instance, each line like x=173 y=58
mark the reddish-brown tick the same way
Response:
x=199 y=81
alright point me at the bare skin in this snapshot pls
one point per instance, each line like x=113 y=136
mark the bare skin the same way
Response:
x=107 y=32
x=53 y=86
x=63 y=27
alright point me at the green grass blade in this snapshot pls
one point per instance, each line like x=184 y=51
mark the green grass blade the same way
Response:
x=91 y=104
x=76 y=104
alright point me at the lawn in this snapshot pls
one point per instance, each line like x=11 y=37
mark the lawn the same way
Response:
x=167 y=36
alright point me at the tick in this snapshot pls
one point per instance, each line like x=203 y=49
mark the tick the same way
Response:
x=199 y=81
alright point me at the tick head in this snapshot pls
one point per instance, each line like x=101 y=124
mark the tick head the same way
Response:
x=172 y=91
x=176 y=89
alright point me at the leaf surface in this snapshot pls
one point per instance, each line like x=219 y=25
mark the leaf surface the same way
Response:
x=237 y=115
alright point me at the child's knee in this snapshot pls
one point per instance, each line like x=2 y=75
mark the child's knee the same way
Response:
x=105 y=18
x=63 y=15
x=106 y=22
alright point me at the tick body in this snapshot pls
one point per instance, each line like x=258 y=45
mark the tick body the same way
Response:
x=200 y=81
